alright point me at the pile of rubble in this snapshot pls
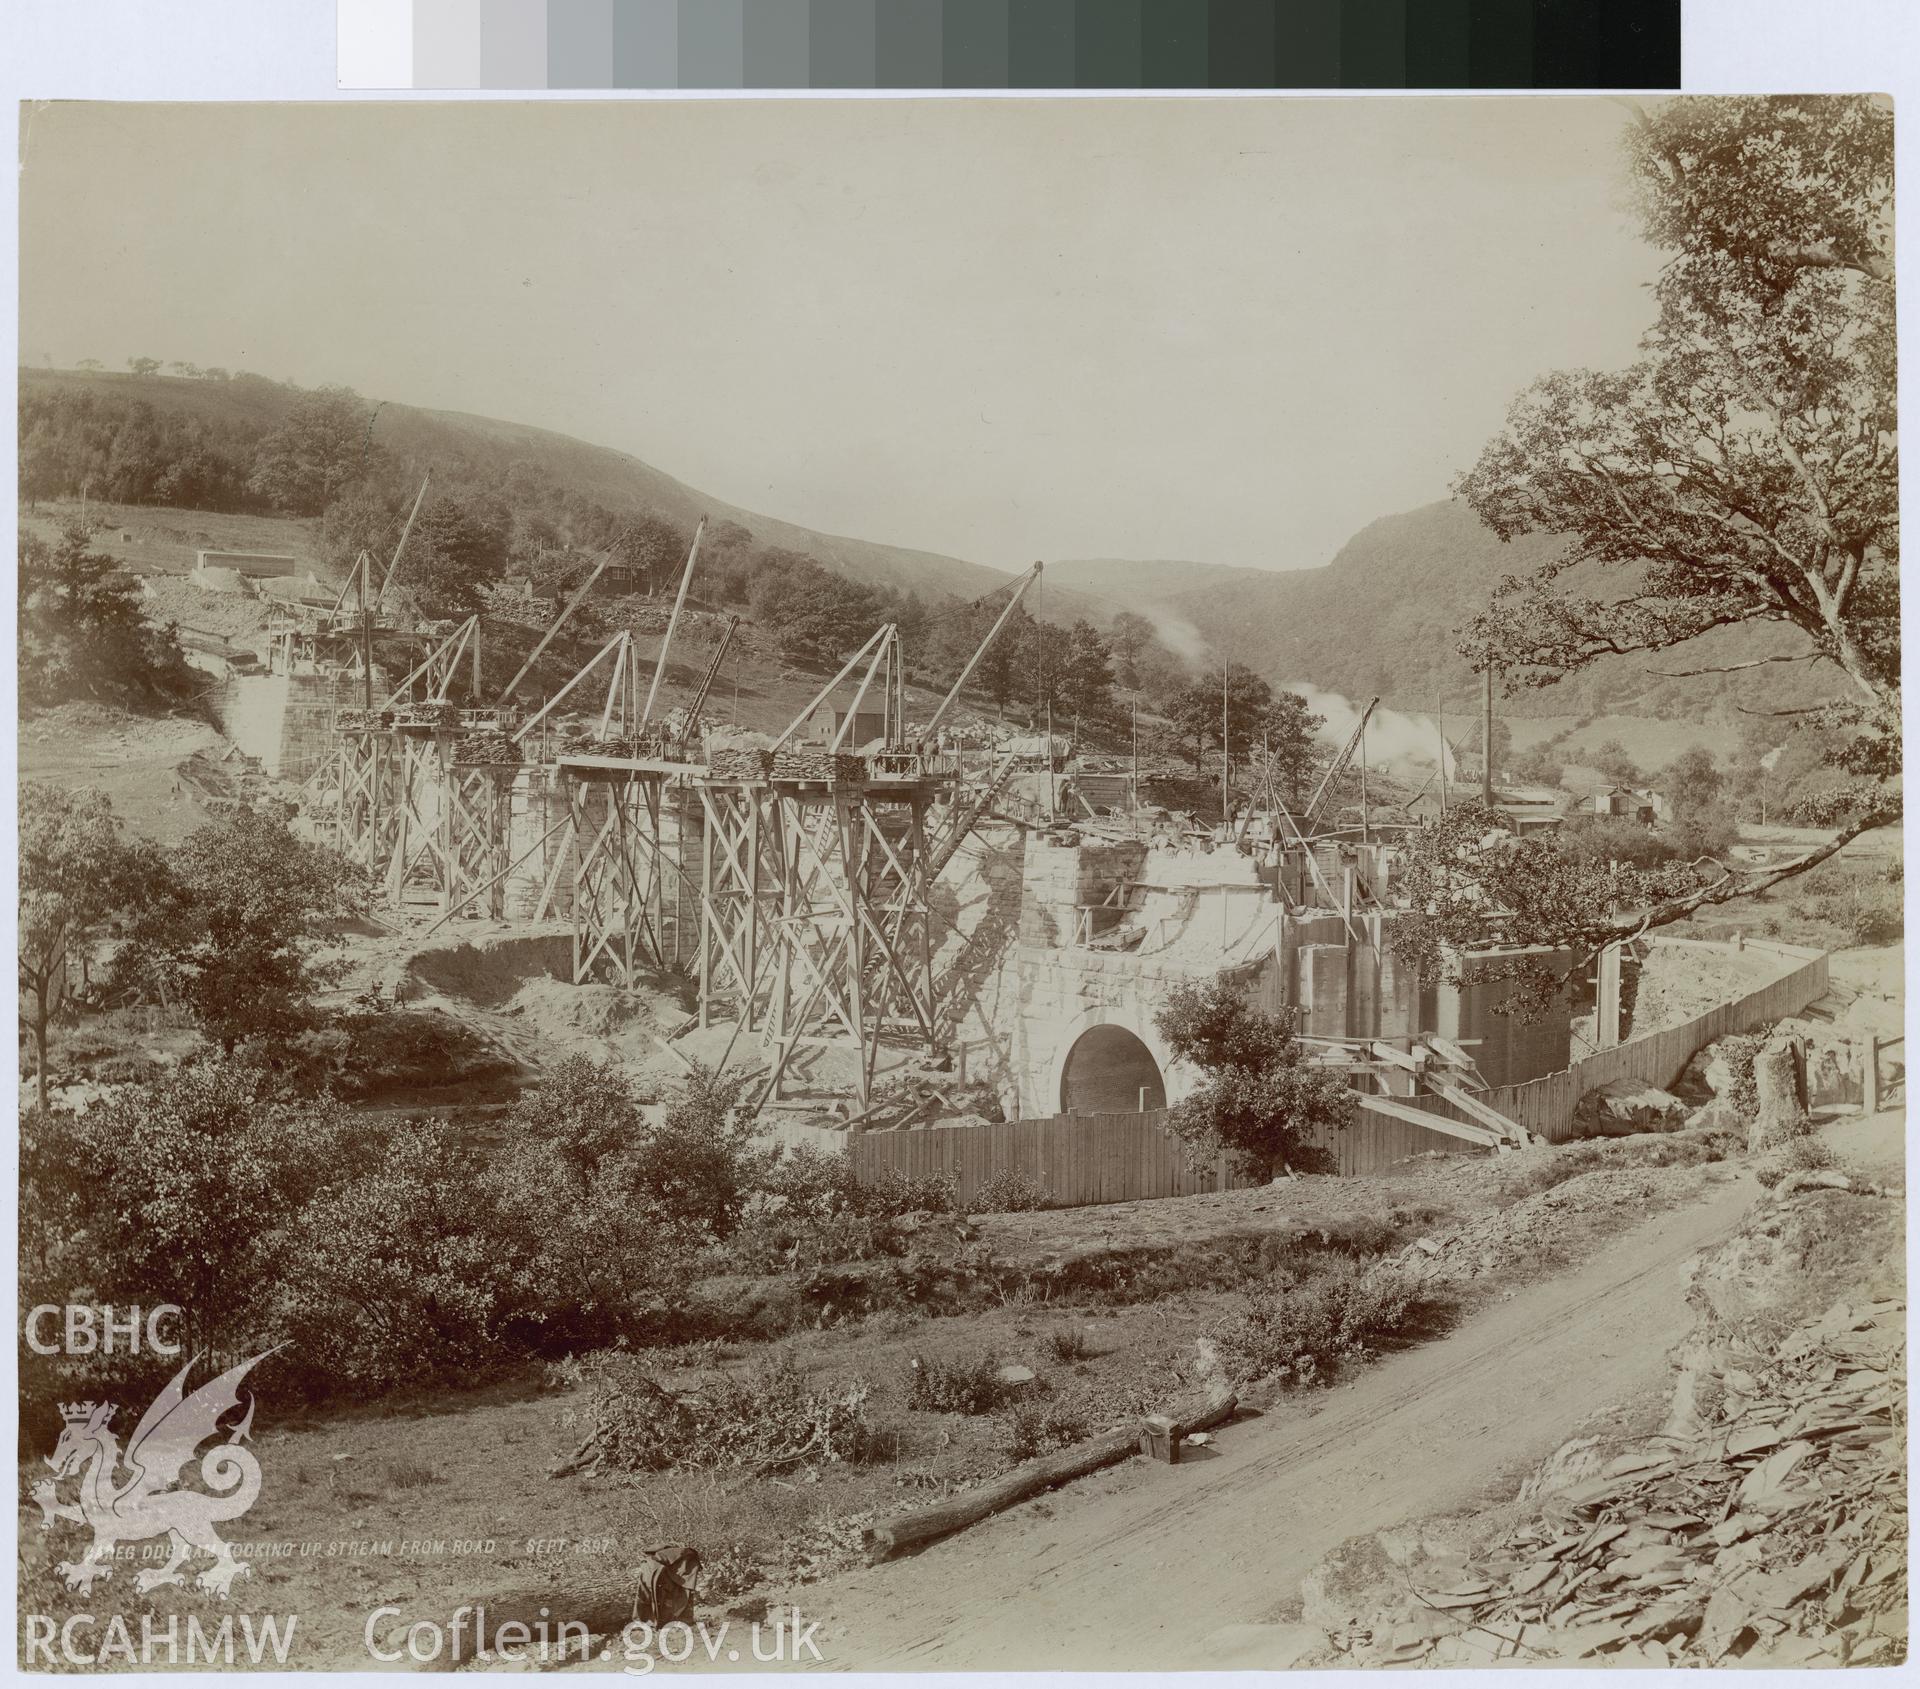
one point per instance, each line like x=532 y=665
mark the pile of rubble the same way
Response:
x=739 y=762
x=1775 y=1536
x=492 y=748
x=809 y=762
x=426 y=715
x=1527 y=1232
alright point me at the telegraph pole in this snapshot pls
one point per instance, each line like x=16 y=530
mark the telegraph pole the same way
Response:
x=1366 y=831
x=366 y=628
x=1486 y=743
x=1226 y=800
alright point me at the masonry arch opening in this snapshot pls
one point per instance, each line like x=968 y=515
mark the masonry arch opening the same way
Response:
x=1109 y=1071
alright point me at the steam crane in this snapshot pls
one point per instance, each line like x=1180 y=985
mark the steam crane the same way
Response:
x=691 y=726
x=1335 y=769
x=946 y=703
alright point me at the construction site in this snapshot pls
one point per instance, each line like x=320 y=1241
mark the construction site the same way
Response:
x=942 y=954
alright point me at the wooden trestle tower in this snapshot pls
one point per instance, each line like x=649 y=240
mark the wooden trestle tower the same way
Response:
x=815 y=870
x=795 y=878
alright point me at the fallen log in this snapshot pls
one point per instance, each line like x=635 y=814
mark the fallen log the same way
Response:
x=928 y=1524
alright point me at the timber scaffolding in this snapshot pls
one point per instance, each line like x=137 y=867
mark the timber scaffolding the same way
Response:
x=793 y=879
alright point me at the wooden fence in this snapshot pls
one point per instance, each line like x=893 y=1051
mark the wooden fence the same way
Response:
x=1546 y=1106
x=1083 y=1159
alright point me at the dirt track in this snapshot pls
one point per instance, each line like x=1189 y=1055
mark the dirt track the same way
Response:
x=1144 y=1573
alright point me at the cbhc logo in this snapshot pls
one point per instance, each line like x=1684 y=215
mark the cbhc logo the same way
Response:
x=81 y=1329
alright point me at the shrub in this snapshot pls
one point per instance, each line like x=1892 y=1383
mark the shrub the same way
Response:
x=1876 y=925
x=175 y=1190
x=1069 y=1344
x=767 y=1419
x=1009 y=1193
x=965 y=1384
x=703 y=1161
x=1799 y=1155
x=1036 y=1428
x=813 y=1210
x=1312 y=1327
x=399 y=1273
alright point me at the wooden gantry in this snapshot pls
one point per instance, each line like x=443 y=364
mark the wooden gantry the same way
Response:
x=796 y=879
x=816 y=924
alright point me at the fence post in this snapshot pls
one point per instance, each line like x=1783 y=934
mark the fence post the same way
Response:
x=1870 y=1080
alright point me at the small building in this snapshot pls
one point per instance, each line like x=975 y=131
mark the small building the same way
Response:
x=823 y=726
x=1628 y=803
x=1531 y=809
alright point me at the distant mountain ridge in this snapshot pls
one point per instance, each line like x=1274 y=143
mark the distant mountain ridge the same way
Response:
x=1380 y=619
x=613 y=478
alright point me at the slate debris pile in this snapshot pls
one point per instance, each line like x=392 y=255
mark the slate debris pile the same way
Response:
x=426 y=715
x=642 y=745
x=737 y=762
x=362 y=721
x=808 y=762
x=486 y=747
x=1776 y=1538
x=1528 y=1231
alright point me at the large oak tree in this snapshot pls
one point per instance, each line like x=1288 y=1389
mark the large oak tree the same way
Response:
x=1742 y=472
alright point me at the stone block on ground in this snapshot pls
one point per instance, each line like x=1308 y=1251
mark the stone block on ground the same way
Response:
x=1622 y=1106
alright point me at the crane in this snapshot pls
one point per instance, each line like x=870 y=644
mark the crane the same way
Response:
x=572 y=604
x=691 y=725
x=1019 y=592
x=1336 y=768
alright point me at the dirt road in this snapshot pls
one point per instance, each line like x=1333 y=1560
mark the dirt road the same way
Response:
x=1143 y=1573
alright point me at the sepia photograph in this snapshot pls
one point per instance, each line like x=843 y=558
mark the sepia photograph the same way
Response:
x=960 y=884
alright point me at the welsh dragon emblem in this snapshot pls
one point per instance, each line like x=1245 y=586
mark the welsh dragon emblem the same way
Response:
x=131 y=1495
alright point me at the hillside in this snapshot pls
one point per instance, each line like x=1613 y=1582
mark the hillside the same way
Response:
x=1128 y=582
x=1380 y=619
x=422 y=439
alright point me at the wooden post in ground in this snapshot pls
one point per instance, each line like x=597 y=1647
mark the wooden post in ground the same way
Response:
x=1870 y=1079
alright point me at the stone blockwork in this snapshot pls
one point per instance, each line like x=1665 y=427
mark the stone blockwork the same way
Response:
x=1338 y=972
x=306 y=722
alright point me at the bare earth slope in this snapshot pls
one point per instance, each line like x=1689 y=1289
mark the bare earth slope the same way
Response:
x=1142 y=1575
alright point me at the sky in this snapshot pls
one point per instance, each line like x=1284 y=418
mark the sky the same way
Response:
x=1234 y=330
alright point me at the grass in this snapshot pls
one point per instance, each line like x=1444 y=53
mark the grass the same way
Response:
x=1288 y=1273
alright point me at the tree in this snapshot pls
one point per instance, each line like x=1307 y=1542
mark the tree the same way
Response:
x=1615 y=761
x=1289 y=734
x=1744 y=472
x=234 y=930
x=1196 y=712
x=143 y=366
x=303 y=465
x=1469 y=881
x=79 y=875
x=1087 y=675
x=813 y=614
x=1260 y=1103
x=458 y=546
x=1699 y=817
x=1129 y=636
x=83 y=634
